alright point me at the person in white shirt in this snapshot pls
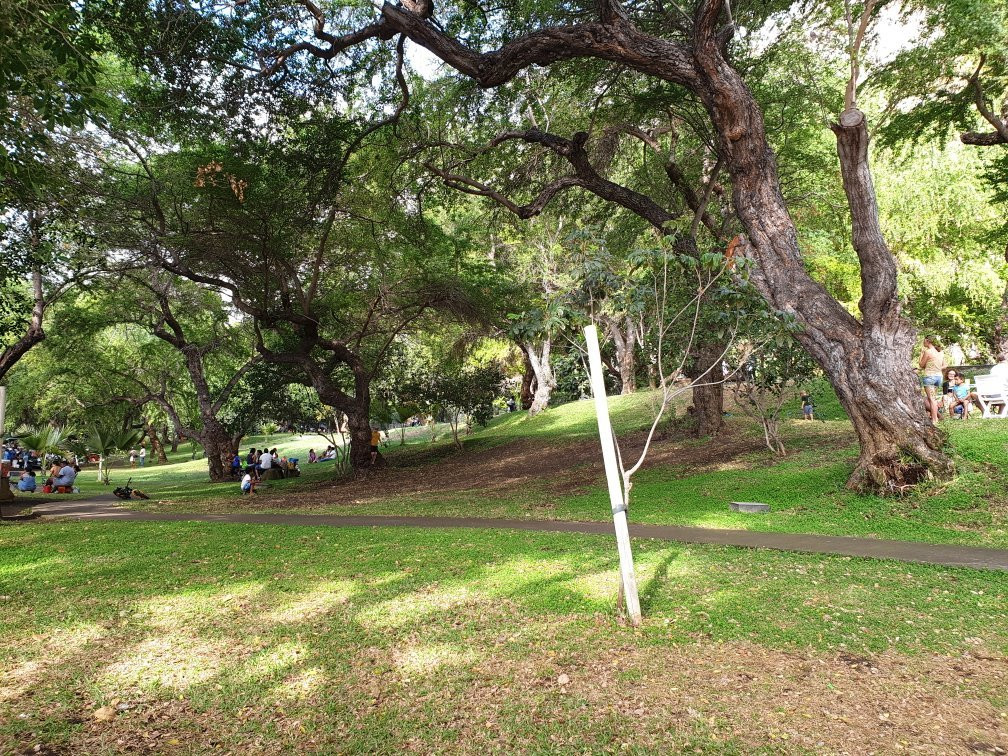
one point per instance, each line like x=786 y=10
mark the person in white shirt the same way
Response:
x=1000 y=371
x=246 y=484
x=265 y=460
x=143 y=455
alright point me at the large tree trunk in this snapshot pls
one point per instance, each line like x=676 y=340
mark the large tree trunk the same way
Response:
x=170 y=440
x=868 y=364
x=708 y=391
x=624 y=336
x=216 y=442
x=544 y=380
x=359 y=423
x=528 y=382
x=156 y=445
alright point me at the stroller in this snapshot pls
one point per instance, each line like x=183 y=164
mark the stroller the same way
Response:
x=126 y=492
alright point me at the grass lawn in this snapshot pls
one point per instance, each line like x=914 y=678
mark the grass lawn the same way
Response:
x=549 y=467
x=189 y=638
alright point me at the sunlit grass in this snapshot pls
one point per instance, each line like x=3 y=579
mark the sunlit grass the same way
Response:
x=371 y=638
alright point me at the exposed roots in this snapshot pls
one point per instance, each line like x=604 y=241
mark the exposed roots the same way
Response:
x=898 y=472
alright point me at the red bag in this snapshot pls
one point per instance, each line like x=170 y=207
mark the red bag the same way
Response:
x=46 y=489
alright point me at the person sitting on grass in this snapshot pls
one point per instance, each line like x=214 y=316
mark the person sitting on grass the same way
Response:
x=948 y=399
x=807 y=406
x=65 y=476
x=247 y=485
x=312 y=457
x=27 y=482
x=330 y=454
x=279 y=462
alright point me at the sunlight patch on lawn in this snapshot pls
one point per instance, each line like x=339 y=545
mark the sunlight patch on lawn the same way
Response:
x=599 y=586
x=270 y=661
x=168 y=613
x=317 y=602
x=301 y=685
x=410 y=607
x=428 y=658
x=54 y=650
x=12 y=568
x=173 y=660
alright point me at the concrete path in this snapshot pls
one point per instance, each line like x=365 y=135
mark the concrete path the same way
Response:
x=904 y=551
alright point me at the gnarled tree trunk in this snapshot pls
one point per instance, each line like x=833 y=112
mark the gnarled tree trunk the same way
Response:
x=708 y=392
x=216 y=442
x=867 y=363
x=156 y=445
x=359 y=424
x=539 y=359
x=528 y=382
x=624 y=336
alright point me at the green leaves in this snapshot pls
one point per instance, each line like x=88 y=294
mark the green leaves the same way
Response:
x=109 y=441
x=44 y=439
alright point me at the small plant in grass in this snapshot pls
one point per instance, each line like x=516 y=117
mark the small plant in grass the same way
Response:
x=772 y=377
x=268 y=429
x=465 y=392
x=107 y=443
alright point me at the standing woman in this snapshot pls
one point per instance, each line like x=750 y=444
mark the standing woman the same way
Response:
x=932 y=363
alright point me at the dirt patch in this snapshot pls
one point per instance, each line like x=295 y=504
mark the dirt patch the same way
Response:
x=521 y=467
x=788 y=701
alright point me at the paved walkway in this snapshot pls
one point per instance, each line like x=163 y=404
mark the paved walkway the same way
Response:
x=872 y=548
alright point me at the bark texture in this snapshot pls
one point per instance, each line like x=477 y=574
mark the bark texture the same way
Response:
x=708 y=392
x=539 y=359
x=156 y=446
x=528 y=382
x=34 y=333
x=623 y=333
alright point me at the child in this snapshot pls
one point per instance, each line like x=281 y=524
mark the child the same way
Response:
x=312 y=457
x=807 y=406
x=961 y=398
x=247 y=486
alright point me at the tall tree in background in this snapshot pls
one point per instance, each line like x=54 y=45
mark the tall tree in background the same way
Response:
x=868 y=360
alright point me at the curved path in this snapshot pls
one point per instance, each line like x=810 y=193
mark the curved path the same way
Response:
x=975 y=557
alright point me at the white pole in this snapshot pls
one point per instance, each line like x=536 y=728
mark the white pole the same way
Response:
x=613 y=477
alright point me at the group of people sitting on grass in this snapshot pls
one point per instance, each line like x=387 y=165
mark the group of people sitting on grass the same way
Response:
x=257 y=462
x=62 y=475
x=946 y=390
x=328 y=456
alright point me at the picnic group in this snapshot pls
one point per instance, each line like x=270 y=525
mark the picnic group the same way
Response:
x=949 y=393
x=26 y=464
x=262 y=463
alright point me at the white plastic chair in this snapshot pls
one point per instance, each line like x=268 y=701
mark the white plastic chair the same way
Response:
x=990 y=390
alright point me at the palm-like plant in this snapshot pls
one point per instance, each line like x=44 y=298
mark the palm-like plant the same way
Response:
x=43 y=439
x=106 y=442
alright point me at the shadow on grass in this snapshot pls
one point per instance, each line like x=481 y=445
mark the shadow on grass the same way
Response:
x=286 y=634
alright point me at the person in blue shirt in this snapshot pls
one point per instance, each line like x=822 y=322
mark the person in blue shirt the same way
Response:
x=27 y=482
x=962 y=397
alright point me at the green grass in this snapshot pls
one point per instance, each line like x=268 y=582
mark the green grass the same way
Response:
x=806 y=490
x=364 y=640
